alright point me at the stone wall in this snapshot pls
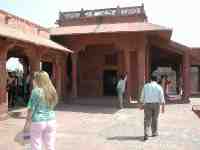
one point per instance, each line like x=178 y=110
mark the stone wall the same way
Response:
x=22 y=24
x=92 y=65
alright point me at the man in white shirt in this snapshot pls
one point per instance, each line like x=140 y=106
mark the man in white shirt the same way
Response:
x=121 y=85
x=152 y=97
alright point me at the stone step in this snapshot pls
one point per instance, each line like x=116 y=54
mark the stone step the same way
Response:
x=196 y=107
x=18 y=112
x=110 y=102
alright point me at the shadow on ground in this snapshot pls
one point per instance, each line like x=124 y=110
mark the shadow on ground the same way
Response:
x=16 y=116
x=126 y=138
x=169 y=102
x=196 y=110
x=18 y=112
x=86 y=108
x=103 y=108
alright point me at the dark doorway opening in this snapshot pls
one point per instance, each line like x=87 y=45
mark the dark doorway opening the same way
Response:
x=110 y=82
x=165 y=62
x=48 y=67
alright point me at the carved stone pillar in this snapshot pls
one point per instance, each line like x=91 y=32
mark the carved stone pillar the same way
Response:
x=34 y=60
x=3 y=79
x=128 y=71
x=199 y=78
x=64 y=77
x=74 y=75
x=141 y=62
x=58 y=76
x=186 y=76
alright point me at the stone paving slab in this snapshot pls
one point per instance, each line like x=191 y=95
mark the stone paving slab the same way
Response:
x=101 y=128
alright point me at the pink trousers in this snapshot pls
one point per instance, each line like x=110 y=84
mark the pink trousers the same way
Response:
x=43 y=133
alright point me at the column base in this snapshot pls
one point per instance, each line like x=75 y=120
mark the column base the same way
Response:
x=3 y=116
x=3 y=111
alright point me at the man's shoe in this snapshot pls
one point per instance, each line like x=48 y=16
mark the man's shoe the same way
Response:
x=145 y=138
x=155 y=134
x=121 y=107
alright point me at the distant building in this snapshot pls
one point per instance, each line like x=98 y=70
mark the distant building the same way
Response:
x=105 y=44
x=114 y=41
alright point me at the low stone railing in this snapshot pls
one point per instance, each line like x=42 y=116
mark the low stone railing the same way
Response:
x=103 y=12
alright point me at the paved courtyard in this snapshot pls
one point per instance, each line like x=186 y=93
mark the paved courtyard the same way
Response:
x=101 y=128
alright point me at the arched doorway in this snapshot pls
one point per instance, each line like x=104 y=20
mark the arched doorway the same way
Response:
x=18 y=77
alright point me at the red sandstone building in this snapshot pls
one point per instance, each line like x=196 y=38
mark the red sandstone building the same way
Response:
x=105 y=43
x=31 y=43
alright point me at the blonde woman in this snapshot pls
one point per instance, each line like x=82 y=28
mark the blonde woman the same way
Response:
x=40 y=112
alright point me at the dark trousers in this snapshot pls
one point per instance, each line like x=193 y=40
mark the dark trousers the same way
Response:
x=11 y=96
x=120 y=98
x=151 y=113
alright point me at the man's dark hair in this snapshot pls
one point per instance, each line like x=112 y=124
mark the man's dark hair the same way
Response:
x=121 y=76
x=153 y=78
x=165 y=76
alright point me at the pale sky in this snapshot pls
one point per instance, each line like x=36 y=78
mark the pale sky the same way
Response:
x=13 y=64
x=180 y=15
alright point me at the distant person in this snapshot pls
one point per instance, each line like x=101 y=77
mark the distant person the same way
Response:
x=11 y=88
x=151 y=98
x=27 y=87
x=180 y=87
x=41 y=113
x=164 y=82
x=121 y=85
x=167 y=82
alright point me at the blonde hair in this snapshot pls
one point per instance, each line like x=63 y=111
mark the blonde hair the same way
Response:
x=43 y=81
